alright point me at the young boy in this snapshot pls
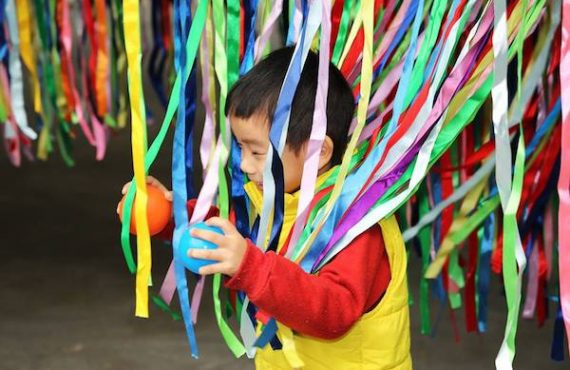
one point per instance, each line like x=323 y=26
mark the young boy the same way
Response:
x=353 y=313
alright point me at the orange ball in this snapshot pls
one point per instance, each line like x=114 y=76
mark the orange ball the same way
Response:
x=158 y=211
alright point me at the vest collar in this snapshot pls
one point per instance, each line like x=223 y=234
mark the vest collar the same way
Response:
x=291 y=202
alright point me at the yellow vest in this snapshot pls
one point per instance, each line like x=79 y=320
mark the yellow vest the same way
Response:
x=379 y=340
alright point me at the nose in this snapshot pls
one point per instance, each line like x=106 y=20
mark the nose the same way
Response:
x=246 y=164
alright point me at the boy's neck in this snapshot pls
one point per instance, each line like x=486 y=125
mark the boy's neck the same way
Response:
x=321 y=171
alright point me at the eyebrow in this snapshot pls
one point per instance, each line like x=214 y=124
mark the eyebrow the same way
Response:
x=252 y=141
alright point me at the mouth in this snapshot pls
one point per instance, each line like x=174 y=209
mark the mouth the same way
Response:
x=258 y=183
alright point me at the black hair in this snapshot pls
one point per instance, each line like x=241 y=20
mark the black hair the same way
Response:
x=257 y=92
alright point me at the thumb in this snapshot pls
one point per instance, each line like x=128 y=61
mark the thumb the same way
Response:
x=125 y=188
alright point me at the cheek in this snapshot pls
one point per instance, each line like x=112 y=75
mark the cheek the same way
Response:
x=259 y=163
x=255 y=163
x=292 y=171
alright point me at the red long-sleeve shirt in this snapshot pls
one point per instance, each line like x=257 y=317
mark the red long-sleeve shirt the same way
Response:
x=325 y=305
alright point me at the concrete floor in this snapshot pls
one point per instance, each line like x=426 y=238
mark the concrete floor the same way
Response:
x=66 y=298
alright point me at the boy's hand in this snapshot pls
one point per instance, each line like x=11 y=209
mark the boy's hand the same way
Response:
x=150 y=181
x=231 y=248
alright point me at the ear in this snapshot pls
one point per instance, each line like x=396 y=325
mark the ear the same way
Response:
x=326 y=153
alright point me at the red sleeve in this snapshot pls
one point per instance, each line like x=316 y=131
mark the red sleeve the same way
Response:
x=166 y=233
x=325 y=305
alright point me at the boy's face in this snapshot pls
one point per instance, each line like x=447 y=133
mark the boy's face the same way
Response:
x=252 y=135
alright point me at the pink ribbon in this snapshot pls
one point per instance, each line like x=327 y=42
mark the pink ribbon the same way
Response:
x=548 y=239
x=564 y=180
x=99 y=130
x=532 y=286
x=318 y=131
x=67 y=40
x=267 y=29
x=209 y=129
x=203 y=204
x=11 y=131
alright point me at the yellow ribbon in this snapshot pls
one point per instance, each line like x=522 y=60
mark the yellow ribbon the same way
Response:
x=131 y=23
x=351 y=37
x=289 y=351
x=26 y=49
x=459 y=221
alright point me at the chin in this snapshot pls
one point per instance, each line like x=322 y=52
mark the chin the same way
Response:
x=292 y=189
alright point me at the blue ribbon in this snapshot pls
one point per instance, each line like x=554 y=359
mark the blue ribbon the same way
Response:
x=275 y=343
x=291 y=30
x=3 y=43
x=436 y=193
x=267 y=334
x=189 y=121
x=408 y=17
x=549 y=121
x=534 y=217
x=177 y=37
x=179 y=182
x=439 y=315
x=279 y=207
x=47 y=19
x=189 y=100
x=239 y=198
x=158 y=54
x=248 y=57
x=485 y=271
x=437 y=285
x=557 y=348
x=436 y=50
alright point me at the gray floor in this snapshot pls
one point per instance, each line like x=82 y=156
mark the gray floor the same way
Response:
x=67 y=298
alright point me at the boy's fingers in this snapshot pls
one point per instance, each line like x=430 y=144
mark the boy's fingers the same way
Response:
x=206 y=254
x=215 y=268
x=227 y=227
x=125 y=188
x=208 y=236
x=154 y=182
x=151 y=179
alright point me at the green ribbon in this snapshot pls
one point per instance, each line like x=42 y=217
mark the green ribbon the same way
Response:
x=430 y=37
x=425 y=242
x=342 y=32
x=225 y=71
x=513 y=265
x=160 y=303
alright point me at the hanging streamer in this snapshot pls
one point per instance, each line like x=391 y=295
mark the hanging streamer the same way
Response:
x=423 y=74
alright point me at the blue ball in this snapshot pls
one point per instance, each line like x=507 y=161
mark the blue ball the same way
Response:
x=187 y=242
